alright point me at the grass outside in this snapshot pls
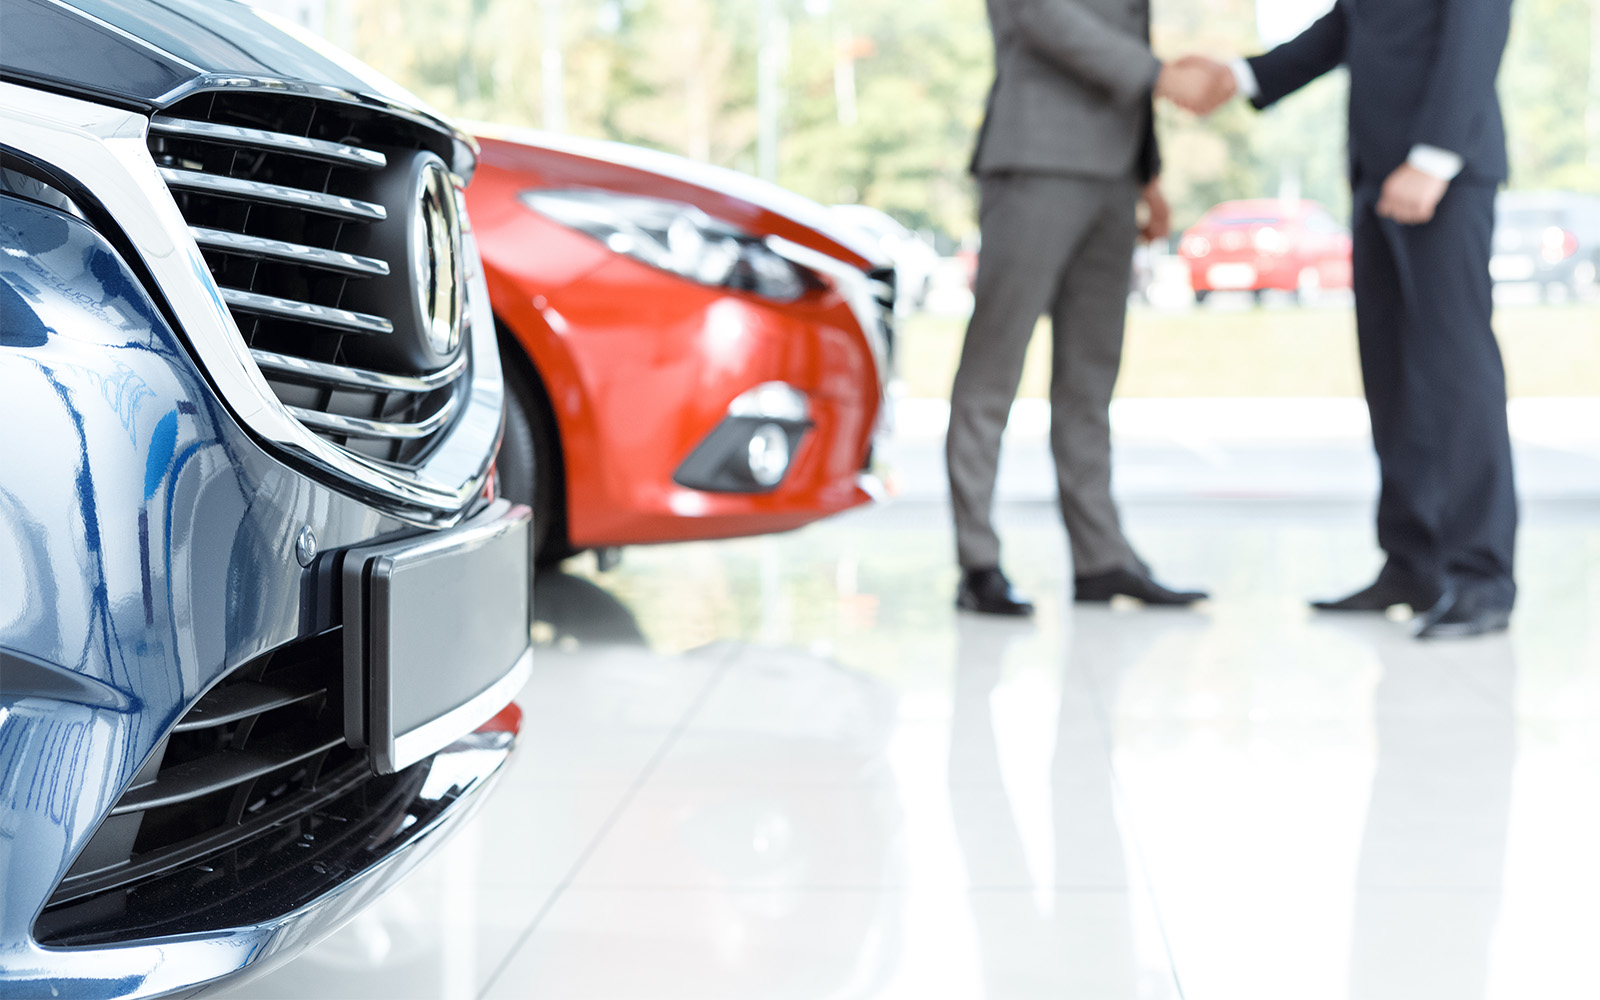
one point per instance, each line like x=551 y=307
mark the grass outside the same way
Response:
x=1550 y=350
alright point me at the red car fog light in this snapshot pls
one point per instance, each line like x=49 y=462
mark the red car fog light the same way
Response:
x=768 y=453
x=750 y=451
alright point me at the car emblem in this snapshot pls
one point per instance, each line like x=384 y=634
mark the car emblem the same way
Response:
x=436 y=242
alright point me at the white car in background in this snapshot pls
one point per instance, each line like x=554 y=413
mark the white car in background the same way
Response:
x=914 y=258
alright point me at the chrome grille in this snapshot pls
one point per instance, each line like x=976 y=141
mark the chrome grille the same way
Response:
x=294 y=203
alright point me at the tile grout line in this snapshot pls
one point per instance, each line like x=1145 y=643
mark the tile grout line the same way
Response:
x=611 y=821
x=1103 y=718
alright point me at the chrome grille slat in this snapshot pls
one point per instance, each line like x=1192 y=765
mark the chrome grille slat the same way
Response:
x=357 y=378
x=342 y=320
x=277 y=194
x=361 y=427
x=332 y=152
x=230 y=703
x=191 y=781
x=293 y=253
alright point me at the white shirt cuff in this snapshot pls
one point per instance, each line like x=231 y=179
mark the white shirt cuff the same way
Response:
x=1245 y=78
x=1436 y=162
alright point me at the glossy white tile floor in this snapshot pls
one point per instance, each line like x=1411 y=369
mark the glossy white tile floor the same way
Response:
x=786 y=768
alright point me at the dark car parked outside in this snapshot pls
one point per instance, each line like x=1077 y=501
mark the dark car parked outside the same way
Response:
x=1547 y=238
x=261 y=615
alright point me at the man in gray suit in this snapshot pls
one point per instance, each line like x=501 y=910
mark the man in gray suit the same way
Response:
x=1066 y=155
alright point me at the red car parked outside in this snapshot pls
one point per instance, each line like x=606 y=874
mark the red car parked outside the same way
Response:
x=689 y=352
x=1267 y=243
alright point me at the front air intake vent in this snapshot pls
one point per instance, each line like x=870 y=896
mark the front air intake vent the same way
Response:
x=882 y=280
x=262 y=749
x=334 y=235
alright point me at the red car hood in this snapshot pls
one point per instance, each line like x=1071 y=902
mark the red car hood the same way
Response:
x=760 y=207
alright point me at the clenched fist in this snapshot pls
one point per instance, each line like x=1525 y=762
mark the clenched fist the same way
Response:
x=1410 y=195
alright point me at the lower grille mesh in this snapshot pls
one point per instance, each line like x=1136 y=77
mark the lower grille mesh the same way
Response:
x=262 y=748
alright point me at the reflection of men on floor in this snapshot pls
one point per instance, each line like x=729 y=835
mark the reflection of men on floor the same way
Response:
x=1087 y=939
x=1433 y=852
x=1066 y=153
x=1427 y=150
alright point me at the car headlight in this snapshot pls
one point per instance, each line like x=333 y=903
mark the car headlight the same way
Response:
x=1270 y=241
x=675 y=237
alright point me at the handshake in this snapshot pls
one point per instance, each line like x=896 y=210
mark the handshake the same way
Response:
x=1196 y=84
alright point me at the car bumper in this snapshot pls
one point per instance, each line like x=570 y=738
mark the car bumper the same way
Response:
x=448 y=790
x=642 y=369
x=1221 y=274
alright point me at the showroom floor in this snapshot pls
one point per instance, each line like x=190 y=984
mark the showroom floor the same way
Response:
x=786 y=768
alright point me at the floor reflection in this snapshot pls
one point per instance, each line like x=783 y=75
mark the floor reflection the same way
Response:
x=770 y=798
x=1083 y=930
x=787 y=768
x=570 y=610
x=1433 y=852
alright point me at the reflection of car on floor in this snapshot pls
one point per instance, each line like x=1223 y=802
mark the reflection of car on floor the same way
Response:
x=913 y=257
x=1549 y=238
x=690 y=352
x=1267 y=243
x=251 y=398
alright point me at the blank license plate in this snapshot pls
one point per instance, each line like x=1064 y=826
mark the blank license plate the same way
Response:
x=1231 y=276
x=436 y=634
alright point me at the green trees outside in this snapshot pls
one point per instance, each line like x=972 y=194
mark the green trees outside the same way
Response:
x=879 y=100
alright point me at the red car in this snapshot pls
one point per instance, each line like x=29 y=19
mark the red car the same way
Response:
x=1267 y=243
x=689 y=352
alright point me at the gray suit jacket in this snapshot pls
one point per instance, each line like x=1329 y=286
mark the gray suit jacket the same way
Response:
x=1072 y=87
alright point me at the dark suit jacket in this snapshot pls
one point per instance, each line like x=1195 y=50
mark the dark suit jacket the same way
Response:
x=1421 y=72
x=1072 y=89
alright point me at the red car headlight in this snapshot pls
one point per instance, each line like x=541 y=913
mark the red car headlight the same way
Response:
x=1557 y=244
x=1268 y=240
x=675 y=237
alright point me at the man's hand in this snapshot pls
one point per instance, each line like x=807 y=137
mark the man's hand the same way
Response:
x=1411 y=195
x=1196 y=84
x=1157 y=221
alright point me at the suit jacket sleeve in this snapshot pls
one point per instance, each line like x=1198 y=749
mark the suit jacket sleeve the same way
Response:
x=1150 y=151
x=1461 y=83
x=1084 y=46
x=1295 y=63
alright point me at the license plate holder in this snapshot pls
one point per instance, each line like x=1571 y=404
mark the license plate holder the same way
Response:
x=436 y=634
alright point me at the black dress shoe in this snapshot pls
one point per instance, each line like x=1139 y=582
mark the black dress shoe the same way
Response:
x=988 y=592
x=1382 y=595
x=1102 y=587
x=1460 y=616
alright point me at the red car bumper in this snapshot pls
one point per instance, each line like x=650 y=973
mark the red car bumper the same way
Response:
x=640 y=366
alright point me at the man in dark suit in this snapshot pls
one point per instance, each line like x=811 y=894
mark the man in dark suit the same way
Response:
x=1427 y=151
x=1066 y=154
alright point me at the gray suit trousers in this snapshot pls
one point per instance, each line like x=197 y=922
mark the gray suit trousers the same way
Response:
x=1062 y=245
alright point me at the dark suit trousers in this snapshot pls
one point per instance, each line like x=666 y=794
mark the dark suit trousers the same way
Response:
x=1435 y=386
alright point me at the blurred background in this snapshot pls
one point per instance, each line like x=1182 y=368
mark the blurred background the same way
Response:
x=877 y=102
